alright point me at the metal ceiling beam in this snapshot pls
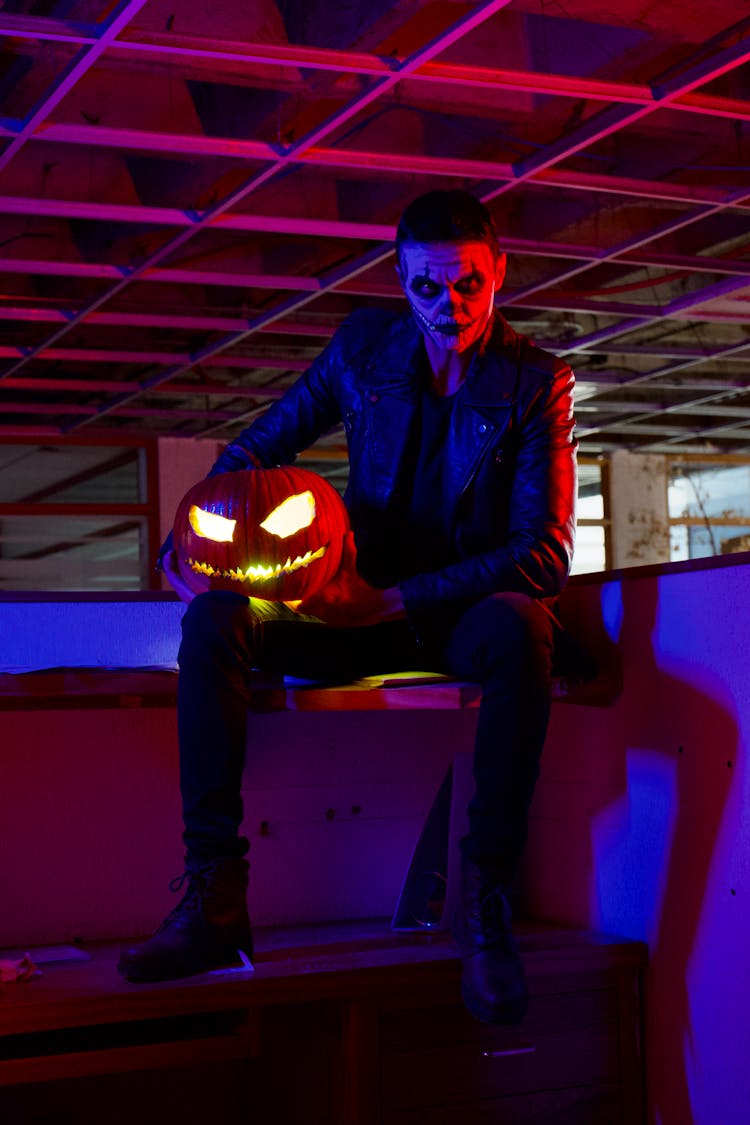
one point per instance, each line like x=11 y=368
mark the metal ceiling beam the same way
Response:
x=107 y=32
x=693 y=404
x=467 y=23
x=95 y=271
x=134 y=319
x=174 y=217
x=29 y=432
x=673 y=368
x=216 y=323
x=727 y=431
x=668 y=434
x=367 y=64
x=69 y=408
x=53 y=268
x=600 y=448
x=641 y=314
x=140 y=214
x=614 y=119
x=672 y=351
x=333 y=228
x=48 y=28
x=147 y=358
x=357 y=160
x=638 y=320
x=590 y=387
x=703 y=79
x=702 y=74
x=124 y=386
x=649 y=409
x=144 y=141
x=263 y=395
x=681 y=307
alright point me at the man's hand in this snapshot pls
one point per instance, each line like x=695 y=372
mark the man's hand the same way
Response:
x=349 y=600
x=171 y=570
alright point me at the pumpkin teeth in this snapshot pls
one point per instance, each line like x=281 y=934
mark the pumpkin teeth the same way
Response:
x=258 y=572
x=202 y=568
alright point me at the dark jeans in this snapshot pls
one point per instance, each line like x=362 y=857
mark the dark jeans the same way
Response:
x=503 y=643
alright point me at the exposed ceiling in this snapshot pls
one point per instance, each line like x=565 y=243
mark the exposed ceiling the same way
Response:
x=194 y=194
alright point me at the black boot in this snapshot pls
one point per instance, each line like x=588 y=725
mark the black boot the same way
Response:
x=204 y=931
x=493 y=984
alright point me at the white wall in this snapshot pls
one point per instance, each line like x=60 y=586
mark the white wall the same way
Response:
x=638 y=504
x=182 y=462
x=89 y=804
x=641 y=826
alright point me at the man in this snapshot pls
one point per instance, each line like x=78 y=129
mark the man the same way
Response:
x=461 y=498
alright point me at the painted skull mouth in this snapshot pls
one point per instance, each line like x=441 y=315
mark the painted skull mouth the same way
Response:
x=257 y=572
x=445 y=327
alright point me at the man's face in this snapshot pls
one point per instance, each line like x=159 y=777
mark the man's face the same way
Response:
x=451 y=289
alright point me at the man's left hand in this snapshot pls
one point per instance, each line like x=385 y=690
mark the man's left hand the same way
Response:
x=349 y=600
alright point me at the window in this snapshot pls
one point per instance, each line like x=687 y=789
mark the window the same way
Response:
x=77 y=516
x=709 y=507
x=592 y=537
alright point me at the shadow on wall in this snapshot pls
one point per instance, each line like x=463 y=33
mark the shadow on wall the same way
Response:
x=640 y=822
x=655 y=846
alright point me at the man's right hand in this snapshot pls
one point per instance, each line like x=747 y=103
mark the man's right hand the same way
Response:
x=171 y=570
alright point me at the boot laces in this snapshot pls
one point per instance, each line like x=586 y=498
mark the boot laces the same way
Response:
x=493 y=916
x=199 y=882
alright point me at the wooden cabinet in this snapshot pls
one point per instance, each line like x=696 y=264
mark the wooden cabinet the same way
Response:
x=440 y=1064
x=338 y=1025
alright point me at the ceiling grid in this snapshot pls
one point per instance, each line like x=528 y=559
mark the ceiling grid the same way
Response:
x=193 y=198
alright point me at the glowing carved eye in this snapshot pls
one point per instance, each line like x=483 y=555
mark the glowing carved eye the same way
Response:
x=209 y=525
x=291 y=515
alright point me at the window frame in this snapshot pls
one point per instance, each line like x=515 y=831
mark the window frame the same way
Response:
x=605 y=521
x=148 y=510
x=707 y=461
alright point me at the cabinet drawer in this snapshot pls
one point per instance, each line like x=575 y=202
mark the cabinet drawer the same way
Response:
x=589 y=1105
x=438 y=1055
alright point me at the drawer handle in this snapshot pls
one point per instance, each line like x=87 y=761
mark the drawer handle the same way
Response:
x=509 y=1051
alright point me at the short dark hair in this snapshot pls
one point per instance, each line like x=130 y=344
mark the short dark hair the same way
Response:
x=447 y=216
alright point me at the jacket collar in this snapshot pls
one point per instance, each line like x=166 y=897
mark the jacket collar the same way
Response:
x=491 y=380
x=398 y=360
x=492 y=376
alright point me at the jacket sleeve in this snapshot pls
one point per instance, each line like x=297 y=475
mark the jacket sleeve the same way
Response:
x=536 y=559
x=296 y=420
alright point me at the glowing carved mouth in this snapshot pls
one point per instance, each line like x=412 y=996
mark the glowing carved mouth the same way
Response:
x=258 y=572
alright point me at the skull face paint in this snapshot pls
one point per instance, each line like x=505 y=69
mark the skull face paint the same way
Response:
x=451 y=287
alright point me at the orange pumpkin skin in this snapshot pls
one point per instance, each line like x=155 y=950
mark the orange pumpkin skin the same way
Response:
x=273 y=563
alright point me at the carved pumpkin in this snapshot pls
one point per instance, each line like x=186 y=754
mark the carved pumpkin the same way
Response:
x=275 y=534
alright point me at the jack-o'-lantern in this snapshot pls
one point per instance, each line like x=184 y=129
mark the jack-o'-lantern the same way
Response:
x=275 y=534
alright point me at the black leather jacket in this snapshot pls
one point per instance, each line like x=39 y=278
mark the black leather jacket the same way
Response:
x=512 y=483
